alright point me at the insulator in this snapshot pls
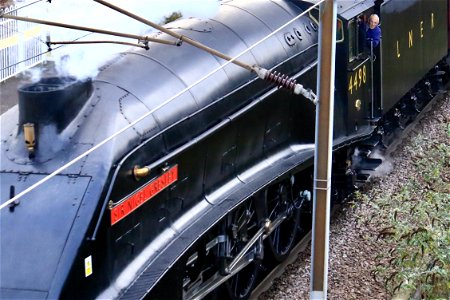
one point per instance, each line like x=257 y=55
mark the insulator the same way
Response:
x=281 y=80
x=285 y=82
x=48 y=43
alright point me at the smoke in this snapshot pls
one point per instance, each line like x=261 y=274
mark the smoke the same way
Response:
x=83 y=61
x=386 y=166
x=382 y=170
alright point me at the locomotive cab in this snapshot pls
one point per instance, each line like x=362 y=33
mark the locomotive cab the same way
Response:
x=208 y=186
x=355 y=66
x=355 y=89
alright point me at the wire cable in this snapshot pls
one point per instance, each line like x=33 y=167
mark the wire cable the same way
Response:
x=42 y=53
x=23 y=33
x=20 y=7
x=108 y=139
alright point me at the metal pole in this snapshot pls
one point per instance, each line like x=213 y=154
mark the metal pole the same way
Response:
x=96 y=42
x=177 y=35
x=323 y=152
x=281 y=80
x=83 y=28
x=371 y=76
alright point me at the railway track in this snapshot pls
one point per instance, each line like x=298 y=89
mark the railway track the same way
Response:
x=303 y=244
x=278 y=271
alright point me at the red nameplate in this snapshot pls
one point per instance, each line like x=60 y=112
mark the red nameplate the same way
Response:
x=145 y=193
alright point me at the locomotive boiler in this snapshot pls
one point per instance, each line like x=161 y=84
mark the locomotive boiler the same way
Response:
x=212 y=188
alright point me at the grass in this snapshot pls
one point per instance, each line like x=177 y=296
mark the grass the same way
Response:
x=415 y=220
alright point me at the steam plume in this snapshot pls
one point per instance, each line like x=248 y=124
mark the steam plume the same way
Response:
x=83 y=61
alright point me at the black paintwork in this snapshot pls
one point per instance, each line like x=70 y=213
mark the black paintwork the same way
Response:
x=419 y=29
x=231 y=136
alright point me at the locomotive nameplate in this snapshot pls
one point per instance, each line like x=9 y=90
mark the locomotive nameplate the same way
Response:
x=142 y=195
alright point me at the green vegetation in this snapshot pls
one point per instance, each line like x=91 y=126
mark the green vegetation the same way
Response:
x=6 y=3
x=174 y=16
x=414 y=221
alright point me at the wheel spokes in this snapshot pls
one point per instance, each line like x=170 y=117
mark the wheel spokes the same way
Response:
x=281 y=203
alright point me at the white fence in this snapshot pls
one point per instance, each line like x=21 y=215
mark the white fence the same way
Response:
x=22 y=44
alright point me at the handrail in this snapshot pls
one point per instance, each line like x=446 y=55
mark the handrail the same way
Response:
x=359 y=65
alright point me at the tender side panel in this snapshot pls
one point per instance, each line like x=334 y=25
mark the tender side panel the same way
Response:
x=448 y=23
x=411 y=46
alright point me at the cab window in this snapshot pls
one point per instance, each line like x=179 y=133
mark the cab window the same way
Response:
x=314 y=15
x=355 y=38
x=339 y=31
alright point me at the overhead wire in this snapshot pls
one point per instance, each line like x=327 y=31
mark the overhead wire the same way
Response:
x=20 y=7
x=2 y=11
x=143 y=39
x=43 y=53
x=9 y=28
x=18 y=31
x=114 y=135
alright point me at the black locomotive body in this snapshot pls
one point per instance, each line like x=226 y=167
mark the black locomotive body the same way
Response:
x=167 y=207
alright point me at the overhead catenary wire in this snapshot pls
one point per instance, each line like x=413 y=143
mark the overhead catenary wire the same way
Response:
x=111 y=137
x=141 y=39
x=42 y=53
x=7 y=28
x=96 y=42
x=20 y=32
x=90 y=29
x=280 y=79
x=20 y=7
x=178 y=36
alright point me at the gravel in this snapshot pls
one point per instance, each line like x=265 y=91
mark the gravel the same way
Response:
x=354 y=245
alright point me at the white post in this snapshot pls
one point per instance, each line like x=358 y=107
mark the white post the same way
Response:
x=323 y=152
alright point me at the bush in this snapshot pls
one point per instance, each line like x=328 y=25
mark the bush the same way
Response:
x=417 y=222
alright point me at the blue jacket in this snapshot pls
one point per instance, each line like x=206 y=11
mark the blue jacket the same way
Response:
x=373 y=35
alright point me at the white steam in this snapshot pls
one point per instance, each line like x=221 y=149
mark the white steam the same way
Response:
x=83 y=61
x=386 y=166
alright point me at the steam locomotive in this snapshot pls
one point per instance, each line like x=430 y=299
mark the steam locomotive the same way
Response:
x=213 y=188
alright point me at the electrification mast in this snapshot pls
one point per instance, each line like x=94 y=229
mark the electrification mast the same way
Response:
x=323 y=150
